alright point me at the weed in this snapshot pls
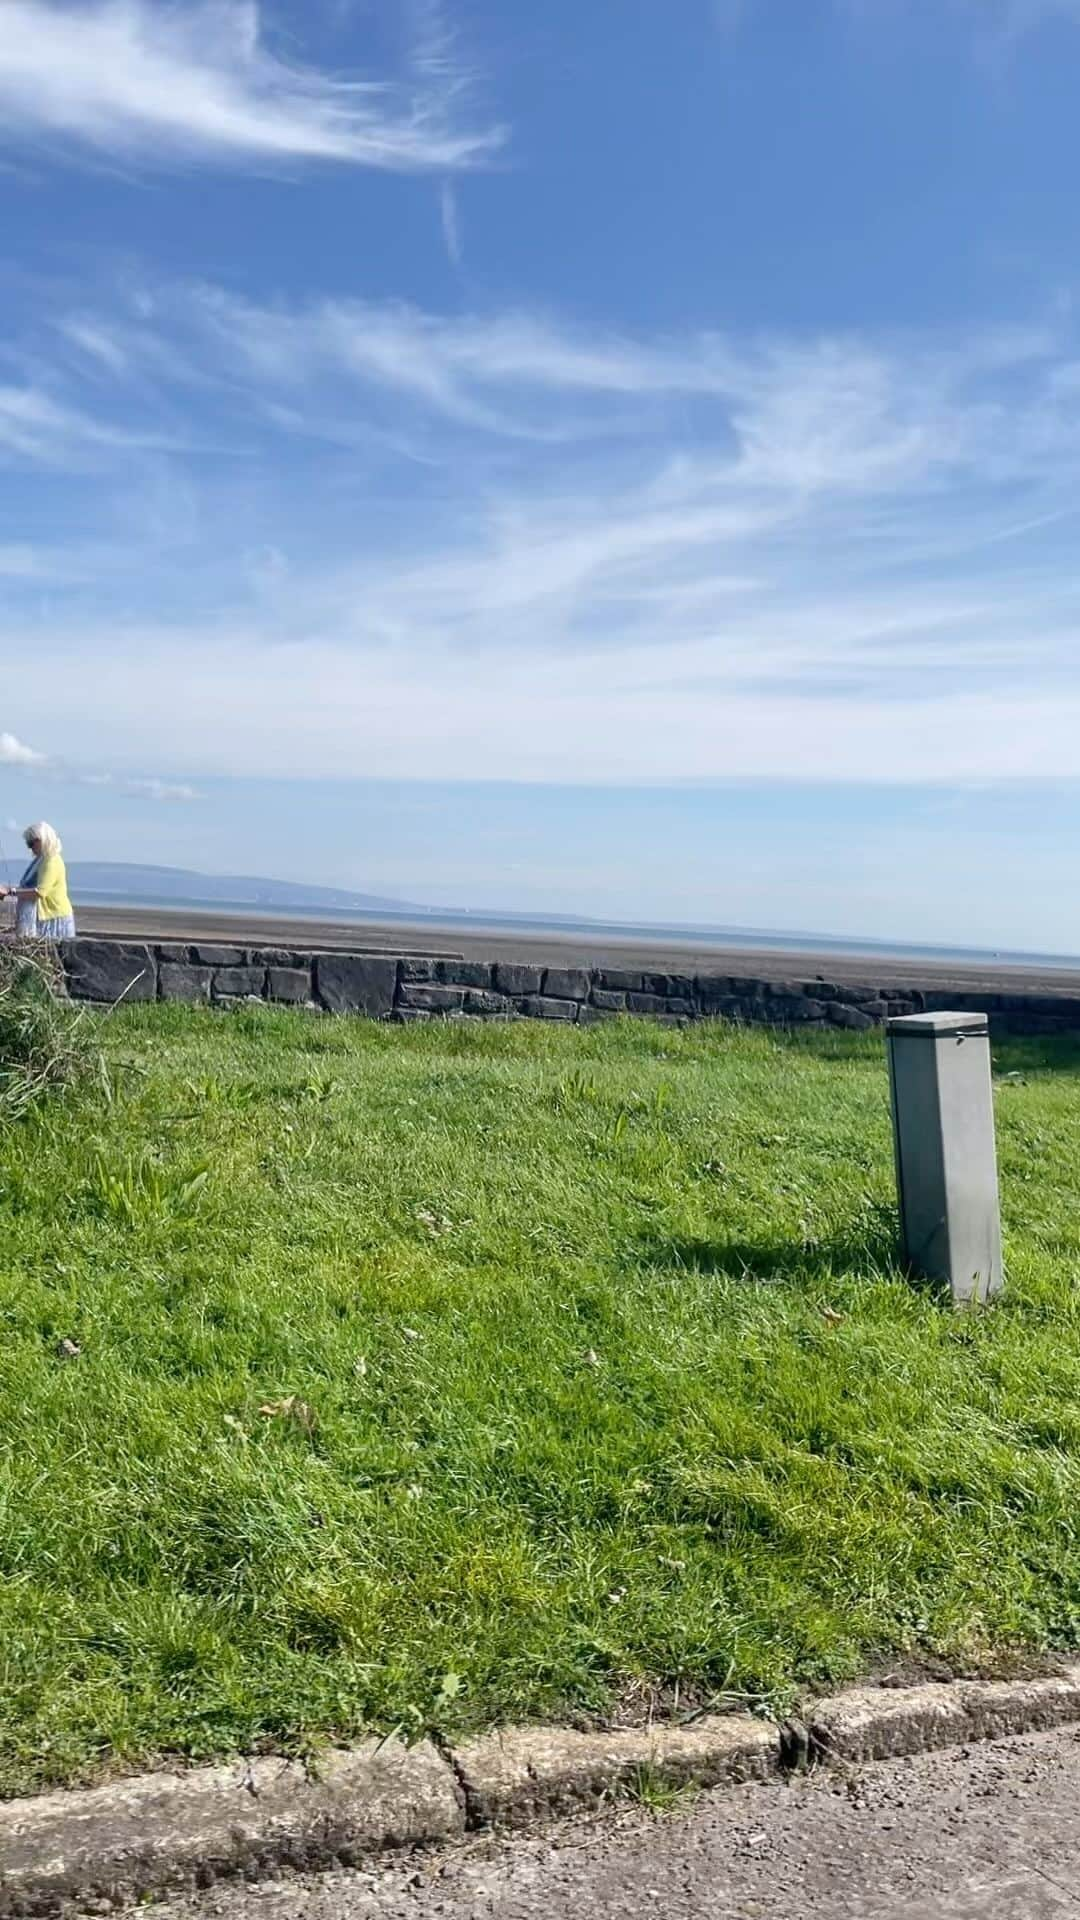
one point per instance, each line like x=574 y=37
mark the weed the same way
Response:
x=137 y=1189
x=40 y=1033
x=648 y=1788
x=320 y=1088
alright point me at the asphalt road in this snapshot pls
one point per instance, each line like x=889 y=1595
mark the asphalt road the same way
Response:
x=574 y=950
x=987 y=1833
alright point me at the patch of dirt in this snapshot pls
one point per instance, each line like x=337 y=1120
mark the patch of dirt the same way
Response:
x=916 y=1669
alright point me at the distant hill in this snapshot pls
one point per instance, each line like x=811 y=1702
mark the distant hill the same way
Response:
x=118 y=883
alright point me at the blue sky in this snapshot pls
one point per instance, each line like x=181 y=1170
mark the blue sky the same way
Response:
x=616 y=457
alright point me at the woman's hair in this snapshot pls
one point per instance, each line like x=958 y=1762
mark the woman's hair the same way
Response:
x=48 y=836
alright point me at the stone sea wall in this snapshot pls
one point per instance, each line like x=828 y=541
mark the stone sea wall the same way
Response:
x=407 y=987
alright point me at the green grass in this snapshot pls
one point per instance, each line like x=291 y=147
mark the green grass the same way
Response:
x=438 y=1376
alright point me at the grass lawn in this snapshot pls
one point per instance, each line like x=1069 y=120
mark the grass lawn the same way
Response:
x=360 y=1377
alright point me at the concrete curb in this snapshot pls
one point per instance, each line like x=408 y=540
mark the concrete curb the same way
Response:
x=520 y=1776
x=163 y=1831
x=883 y=1723
x=166 y=1831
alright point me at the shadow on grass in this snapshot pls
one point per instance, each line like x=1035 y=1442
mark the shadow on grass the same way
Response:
x=1019 y=1055
x=871 y=1250
x=1022 y=1059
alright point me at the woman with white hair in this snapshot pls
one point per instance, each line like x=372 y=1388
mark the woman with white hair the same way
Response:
x=42 y=908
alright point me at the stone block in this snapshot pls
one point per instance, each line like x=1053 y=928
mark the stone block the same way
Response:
x=1058 y=1005
x=679 y=986
x=356 y=983
x=953 y=1002
x=110 y=970
x=516 y=981
x=239 y=983
x=852 y=1018
x=276 y=957
x=646 y=1003
x=179 y=982
x=616 y=980
x=566 y=983
x=538 y=1006
x=675 y=1005
x=854 y=996
x=417 y=969
x=713 y=986
x=464 y=973
x=730 y=1007
x=608 y=1002
x=793 y=1009
x=433 y=999
x=180 y=953
x=289 y=984
x=219 y=956
x=488 y=1006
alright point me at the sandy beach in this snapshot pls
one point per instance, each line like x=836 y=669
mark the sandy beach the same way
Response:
x=574 y=949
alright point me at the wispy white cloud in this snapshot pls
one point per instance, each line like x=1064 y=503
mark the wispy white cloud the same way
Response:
x=790 y=411
x=15 y=752
x=496 y=372
x=149 y=82
x=137 y=789
x=824 y=556
x=333 y=708
x=455 y=364
x=162 y=792
x=96 y=342
x=36 y=426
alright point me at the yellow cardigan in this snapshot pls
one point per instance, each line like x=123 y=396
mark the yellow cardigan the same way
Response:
x=53 y=902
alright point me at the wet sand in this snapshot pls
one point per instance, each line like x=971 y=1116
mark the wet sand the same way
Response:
x=575 y=949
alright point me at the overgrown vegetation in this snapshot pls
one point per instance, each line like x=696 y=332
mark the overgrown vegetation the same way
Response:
x=357 y=1377
x=39 y=1044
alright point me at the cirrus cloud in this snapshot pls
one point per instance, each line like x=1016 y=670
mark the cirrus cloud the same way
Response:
x=144 y=81
x=766 y=554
